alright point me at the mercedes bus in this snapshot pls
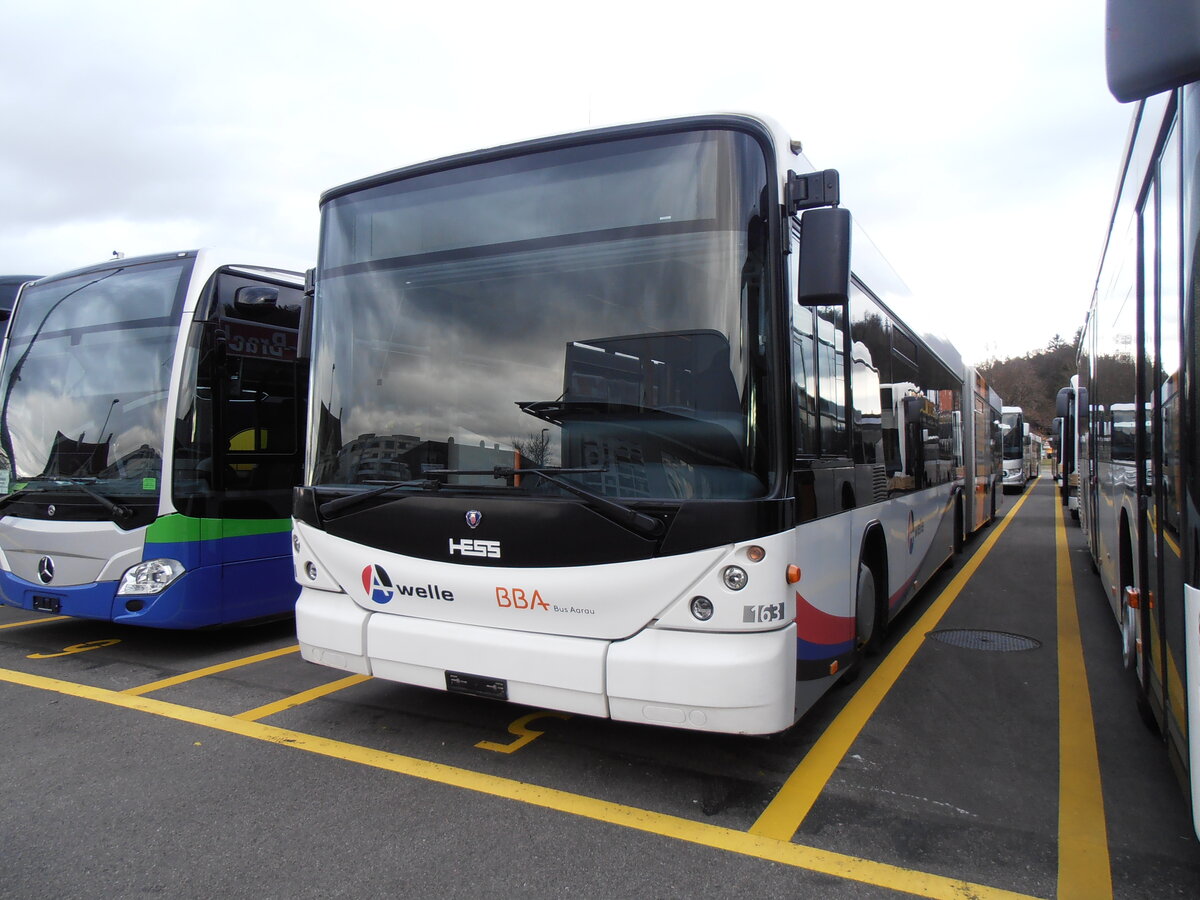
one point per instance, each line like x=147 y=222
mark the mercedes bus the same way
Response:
x=1016 y=448
x=629 y=423
x=151 y=431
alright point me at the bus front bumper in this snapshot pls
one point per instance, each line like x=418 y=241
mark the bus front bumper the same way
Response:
x=732 y=683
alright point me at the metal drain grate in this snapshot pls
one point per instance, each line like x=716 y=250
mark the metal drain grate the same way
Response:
x=978 y=639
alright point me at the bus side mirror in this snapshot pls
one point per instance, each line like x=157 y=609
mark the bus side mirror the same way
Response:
x=1151 y=46
x=256 y=296
x=824 y=269
x=1062 y=403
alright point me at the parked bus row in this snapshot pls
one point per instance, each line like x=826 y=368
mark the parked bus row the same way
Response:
x=633 y=423
x=1131 y=433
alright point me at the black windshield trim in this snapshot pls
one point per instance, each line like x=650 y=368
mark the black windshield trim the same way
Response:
x=744 y=124
x=553 y=242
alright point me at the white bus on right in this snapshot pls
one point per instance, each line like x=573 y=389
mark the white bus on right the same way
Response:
x=1137 y=395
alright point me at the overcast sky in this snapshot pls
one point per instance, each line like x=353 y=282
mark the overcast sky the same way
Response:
x=977 y=143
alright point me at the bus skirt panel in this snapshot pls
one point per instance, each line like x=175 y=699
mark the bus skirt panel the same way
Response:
x=688 y=679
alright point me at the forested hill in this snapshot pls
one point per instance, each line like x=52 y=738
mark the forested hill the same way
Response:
x=1032 y=381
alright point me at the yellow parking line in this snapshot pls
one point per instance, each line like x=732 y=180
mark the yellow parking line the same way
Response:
x=794 y=801
x=1084 y=869
x=211 y=670
x=323 y=690
x=922 y=884
x=34 y=621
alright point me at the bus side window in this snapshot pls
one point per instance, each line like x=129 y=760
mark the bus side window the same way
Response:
x=831 y=380
x=804 y=377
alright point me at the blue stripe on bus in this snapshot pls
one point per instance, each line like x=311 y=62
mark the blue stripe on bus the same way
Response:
x=809 y=650
x=255 y=581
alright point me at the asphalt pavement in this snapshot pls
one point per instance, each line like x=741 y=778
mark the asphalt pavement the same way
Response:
x=964 y=761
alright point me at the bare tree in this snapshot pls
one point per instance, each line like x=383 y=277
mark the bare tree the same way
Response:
x=534 y=449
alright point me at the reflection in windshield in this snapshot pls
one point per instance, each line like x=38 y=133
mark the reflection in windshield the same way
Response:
x=86 y=374
x=588 y=307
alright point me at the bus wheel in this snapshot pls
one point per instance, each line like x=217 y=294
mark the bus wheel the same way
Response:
x=958 y=528
x=868 y=633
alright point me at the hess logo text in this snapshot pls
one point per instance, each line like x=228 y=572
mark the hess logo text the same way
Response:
x=468 y=547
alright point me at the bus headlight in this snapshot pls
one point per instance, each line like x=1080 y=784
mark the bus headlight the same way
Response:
x=150 y=577
x=702 y=608
x=735 y=577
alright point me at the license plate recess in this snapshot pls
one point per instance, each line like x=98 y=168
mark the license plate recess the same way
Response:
x=477 y=685
x=44 y=603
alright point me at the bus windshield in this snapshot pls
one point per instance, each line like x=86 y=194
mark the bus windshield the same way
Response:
x=1013 y=427
x=85 y=378
x=598 y=309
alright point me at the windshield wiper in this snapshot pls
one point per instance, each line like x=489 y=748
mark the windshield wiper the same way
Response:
x=116 y=510
x=639 y=523
x=351 y=500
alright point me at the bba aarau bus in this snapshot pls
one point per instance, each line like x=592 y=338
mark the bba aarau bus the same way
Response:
x=1137 y=392
x=603 y=423
x=151 y=421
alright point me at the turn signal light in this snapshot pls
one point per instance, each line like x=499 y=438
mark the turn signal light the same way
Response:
x=793 y=574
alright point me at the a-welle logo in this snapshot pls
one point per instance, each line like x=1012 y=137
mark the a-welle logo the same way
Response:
x=380 y=587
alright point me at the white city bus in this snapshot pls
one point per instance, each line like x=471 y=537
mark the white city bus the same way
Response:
x=982 y=450
x=1137 y=394
x=1015 y=432
x=1033 y=454
x=1068 y=404
x=603 y=423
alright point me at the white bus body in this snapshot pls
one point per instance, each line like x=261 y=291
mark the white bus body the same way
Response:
x=1136 y=395
x=982 y=450
x=1015 y=433
x=590 y=432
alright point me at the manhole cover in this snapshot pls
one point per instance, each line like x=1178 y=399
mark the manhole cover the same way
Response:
x=977 y=639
